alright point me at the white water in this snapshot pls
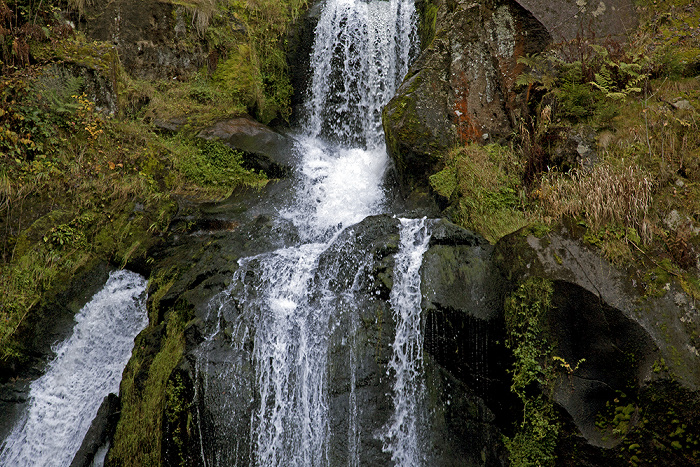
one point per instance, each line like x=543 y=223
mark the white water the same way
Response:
x=403 y=435
x=361 y=53
x=88 y=366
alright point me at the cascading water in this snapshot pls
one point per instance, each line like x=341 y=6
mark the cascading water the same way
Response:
x=88 y=366
x=403 y=437
x=361 y=52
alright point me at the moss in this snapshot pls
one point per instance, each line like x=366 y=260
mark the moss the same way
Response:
x=427 y=22
x=482 y=186
x=138 y=438
x=538 y=229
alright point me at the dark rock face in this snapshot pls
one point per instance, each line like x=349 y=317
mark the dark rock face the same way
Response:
x=220 y=379
x=154 y=39
x=574 y=147
x=600 y=316
x=568 y=19
x=461 y=88
x=264 y=148
x=100 y=432
x=300 y=45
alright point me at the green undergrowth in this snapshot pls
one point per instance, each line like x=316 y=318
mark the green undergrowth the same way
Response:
x=533 y=374
x=143 y=392
x=650 y=431
x=483 y=185
x=247 y=70
x=78 y=185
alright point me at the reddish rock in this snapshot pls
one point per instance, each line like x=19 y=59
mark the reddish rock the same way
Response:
x=461 y=88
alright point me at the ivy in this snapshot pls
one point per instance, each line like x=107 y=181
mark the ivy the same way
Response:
x=525 y=312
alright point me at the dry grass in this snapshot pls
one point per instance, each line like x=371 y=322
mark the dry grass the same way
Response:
x=202 y=13
x=604 y=194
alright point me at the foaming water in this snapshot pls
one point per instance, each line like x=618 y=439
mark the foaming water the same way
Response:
x=88 y=366
x=361 y=53
x=338 y=187
x=403 y=435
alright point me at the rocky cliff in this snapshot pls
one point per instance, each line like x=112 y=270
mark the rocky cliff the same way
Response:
x=462 y=86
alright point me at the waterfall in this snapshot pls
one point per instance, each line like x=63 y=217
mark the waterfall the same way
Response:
x=279 y=300
x=403 y=436
x=361 y=53
x=87 y=367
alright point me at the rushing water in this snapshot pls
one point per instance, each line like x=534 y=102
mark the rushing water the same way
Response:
x=404 y=437
x=288 y=308
x=88 y=366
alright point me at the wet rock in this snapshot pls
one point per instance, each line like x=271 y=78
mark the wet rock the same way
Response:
x=463 y=296
x=463 y=430
x=13 y=400
x=466 y=430
x=264 y=148
x=300 y=45
x=462 y=86
x=100 y=432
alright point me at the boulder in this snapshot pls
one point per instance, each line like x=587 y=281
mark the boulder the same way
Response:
x=462 y=86
x=568 y=19
x=574 y=147
x=629 y=337
x=264 y=148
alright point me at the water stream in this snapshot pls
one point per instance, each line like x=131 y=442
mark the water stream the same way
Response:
x=404 y=437
x=87 y=367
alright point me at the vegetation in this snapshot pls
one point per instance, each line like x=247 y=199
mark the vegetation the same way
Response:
x=526 y=312
x=144 y=392
x=83 y=174
x=246 y=41
x=637 y=197
x=483 y=184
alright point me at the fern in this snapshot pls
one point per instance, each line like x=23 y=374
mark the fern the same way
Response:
x=604 y=81
x=539 y=73
x=629 y=75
